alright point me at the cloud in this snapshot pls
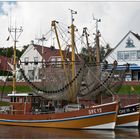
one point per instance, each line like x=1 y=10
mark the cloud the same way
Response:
x=117 y=18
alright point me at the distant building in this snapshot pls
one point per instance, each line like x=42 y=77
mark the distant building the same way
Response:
x=31 y=60
x=127 y=51
x=6 y=66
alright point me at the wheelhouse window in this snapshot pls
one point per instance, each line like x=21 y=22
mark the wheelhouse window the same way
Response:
x=25 y=99
x=13 y=99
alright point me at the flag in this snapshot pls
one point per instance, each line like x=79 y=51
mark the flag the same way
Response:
x=132 y=88
x=8 y=38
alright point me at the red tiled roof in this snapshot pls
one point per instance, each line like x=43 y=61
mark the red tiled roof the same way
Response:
x=4 y=66
x=49 y=52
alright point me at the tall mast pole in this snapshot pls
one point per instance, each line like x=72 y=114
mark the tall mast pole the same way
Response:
x=60 y=50
x=42 y=50
x=98 y=96
x=97 y=42
x=42 y=39
x=61 y=53
x=15 y=37
x=86 y=35
x=72 y=27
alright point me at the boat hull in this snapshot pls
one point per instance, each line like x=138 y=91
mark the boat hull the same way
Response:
x=96 y=117
x=128 y=116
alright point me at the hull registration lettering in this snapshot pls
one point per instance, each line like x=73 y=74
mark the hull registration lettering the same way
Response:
x=95 y=111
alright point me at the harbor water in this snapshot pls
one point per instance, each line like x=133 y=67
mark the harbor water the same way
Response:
x=15 y=132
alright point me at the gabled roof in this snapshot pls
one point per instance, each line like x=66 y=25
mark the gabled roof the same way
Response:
x=49 y=52
x=136 y=35
x=4 y=63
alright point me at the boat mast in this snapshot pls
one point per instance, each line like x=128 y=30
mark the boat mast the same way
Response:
x=61 y=54
x=86 y=35
x=98 y=96
x=72 y=27
x=97 y=43
x=43 y=59
x=60 y=50
x=16 y=34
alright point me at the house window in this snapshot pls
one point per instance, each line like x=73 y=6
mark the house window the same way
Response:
x=126 y=55
x=35 y=60
x=138 y=54
x=31 y=74
x=120 y=55
x=54 y=61
x=59 y=62
x=26 y=60
x=133 y=55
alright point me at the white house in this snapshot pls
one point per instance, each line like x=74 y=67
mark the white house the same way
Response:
x=31 y=60
x=127 y=51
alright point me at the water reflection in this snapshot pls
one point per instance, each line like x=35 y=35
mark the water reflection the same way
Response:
x=13 y=132
x=127 y=133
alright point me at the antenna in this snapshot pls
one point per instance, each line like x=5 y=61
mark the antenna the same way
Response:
x=15 y=36
x=15 y=30
x=72 y=13
x=97 y=20
x=42 y=39
x=10 y=17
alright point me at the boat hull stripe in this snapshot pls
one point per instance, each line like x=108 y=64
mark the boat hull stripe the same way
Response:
x=57 y=120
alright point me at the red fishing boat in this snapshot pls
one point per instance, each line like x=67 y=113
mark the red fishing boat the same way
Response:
x=94 y=117
x=32 y=109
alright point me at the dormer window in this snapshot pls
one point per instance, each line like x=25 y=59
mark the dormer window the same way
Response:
x=26 y=60
x=35 y=60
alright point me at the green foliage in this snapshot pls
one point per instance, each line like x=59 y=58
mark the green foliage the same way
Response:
x=85 y=55
x=8 y=89
x=128 y=89
x=2 y=103
x=5 y=73
x=104 y=50
x=8 y=52
x=108 y=49
x=23 y=89
x=24 y=48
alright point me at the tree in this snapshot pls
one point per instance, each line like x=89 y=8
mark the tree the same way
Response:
x=108 y=49
x=102 y=53
x=8 y=52
x=85 y=55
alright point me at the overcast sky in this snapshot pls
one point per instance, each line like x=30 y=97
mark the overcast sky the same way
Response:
x=117 y=18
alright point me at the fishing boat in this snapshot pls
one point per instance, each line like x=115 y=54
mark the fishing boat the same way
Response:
x=128 y=116
x=93 y=117
x=55 y=108
x=128 y=112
